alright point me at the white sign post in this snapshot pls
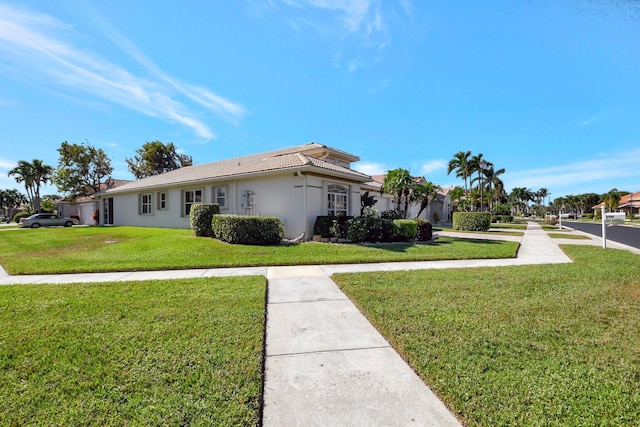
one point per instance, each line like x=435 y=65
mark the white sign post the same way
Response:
x=613 y=216
x=604 y=229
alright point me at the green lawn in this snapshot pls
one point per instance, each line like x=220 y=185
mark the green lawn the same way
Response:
x=184 y=352
x=533 y=345
x=95 y=249
x=568 y=236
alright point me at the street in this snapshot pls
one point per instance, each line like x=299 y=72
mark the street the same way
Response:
x=618 y=233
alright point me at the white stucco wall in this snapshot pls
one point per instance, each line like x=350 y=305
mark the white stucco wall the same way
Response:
x=294 y=198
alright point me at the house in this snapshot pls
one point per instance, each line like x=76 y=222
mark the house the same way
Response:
x=441 y=205
x=295 y=184
x=86 y=206
x=629 y=204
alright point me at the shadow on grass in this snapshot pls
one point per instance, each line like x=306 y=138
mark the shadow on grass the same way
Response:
x=404 y=246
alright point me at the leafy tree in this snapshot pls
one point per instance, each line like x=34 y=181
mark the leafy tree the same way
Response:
x=10 y=201
x=33 y=175
x=155 y=158
x=82 y=169
x=48 y=205
x=460 y=163
x=424 y=193
x=399 y=182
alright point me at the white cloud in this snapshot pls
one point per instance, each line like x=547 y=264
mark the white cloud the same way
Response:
x=35 y=43
x=7 y=164
x=370 y=168
x=604 y=171
x=356 y=26
x=433 y=166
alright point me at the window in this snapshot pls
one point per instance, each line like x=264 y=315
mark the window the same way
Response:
x=145 y=204
x=338 y=198
x=191 y=197
x=220 y=196
x=162 y=201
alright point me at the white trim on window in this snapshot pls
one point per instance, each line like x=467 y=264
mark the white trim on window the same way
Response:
x=220 y=195
x=162 y=200
x=190 y=197
x=145 y=204
x=337 y=200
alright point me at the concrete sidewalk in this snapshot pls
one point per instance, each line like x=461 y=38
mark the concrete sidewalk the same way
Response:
x=325 y=363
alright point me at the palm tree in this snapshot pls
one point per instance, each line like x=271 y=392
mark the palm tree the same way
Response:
x=478 y=164
x=495 y=186
x=612 y=199
x=424 y=194
x=33 y=175
x=521 y=196
x=460 y=163
x=399 y=182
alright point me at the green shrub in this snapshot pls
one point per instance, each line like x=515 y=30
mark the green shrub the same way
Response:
x=370 y=228
x=425 y=230
x=588 y=216
x=502 y=209
x=472 y=221
x=248 y=230
x=436 y=217
x=390 y=214
x=503 y=219
x=20 y=215
x=405 y=229
x=200 y=217
x=323 y=224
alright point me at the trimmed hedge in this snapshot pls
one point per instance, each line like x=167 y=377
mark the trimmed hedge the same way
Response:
x=472 y=221
x=405 y=229
x=503 y=219
x=425 y=230
x=248 y=230
x=200 y=217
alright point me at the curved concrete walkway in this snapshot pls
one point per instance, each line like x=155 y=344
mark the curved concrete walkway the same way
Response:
x=325 y=364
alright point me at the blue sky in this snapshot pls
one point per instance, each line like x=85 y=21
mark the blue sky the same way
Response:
x=547 y=89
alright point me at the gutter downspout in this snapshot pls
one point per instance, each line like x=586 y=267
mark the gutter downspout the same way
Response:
x=304 y=204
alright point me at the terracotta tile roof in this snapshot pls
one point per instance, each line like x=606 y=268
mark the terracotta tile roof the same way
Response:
x=299 y=157
x=625 y=201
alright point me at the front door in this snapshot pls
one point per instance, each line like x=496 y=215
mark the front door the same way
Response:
x=108 y=211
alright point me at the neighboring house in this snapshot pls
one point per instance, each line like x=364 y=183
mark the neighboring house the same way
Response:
x=441 y=204
x=629 y=204
x=86 y=206
x=295 y=184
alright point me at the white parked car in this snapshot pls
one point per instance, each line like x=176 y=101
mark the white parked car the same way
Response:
x=47 y=220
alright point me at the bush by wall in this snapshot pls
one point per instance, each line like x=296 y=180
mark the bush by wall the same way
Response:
x=370 y=228
x=19 y=215
x=200 y=217
x=248 y=230
x=324 y=223
x=405 y=229
x=472 y=221
x=425 y=230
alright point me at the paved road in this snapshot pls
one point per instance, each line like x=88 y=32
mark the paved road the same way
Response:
x=617 y=233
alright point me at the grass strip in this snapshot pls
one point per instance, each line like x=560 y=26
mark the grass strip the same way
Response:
x=180 y=352
x=528 y=345
x=568 y=236
x=102 y=249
